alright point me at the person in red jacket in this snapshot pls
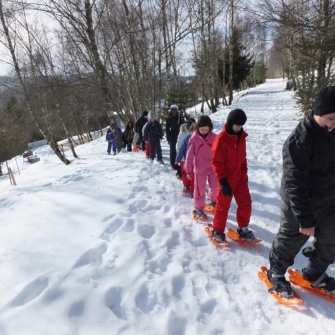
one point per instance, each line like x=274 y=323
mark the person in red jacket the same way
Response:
x=230 y=167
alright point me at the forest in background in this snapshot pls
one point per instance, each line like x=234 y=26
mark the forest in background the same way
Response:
x=73 y=64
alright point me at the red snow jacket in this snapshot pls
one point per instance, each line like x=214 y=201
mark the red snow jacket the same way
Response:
x=230 y=157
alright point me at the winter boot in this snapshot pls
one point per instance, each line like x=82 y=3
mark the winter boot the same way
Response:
x=280 y=284
x=210 y=207
x=219 y=237
x=246 y=234
x=320 y=280
x=187 y=189
x=199 y=215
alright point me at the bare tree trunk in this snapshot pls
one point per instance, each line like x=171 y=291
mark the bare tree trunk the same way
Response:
x=47 y=58
x=101 y=69
x=144 y=55
x=231 y=52
x=52 y=142
x=167 y=51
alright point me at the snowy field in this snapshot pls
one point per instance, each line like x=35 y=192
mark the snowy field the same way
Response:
x=107 y=245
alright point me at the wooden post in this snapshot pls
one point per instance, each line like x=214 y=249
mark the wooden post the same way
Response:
x=11 y=175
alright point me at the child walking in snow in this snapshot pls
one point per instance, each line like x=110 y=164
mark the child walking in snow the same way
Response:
x=198 y=166
x=184 y=136
x=129 y=135
x=153 y=135
x=146 y=144
x=230 y=167
x=111 y=141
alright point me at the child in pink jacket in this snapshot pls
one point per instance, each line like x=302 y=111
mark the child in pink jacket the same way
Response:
x=198 y=166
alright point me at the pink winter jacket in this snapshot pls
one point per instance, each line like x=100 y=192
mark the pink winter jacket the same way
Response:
x=199 y=154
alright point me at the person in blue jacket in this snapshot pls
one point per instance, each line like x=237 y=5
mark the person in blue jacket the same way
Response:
x=111 y=141
x=181 y=155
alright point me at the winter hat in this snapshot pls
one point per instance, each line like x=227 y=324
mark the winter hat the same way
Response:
x=151 y=115
x=324 y=101
x=189 y=122
x=174 y=107
x=203 y=121
x=145 y=113
x=236 y=116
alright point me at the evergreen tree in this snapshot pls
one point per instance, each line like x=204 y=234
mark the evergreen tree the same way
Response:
x=259 y=72
x=184 y=96
x=243 y=62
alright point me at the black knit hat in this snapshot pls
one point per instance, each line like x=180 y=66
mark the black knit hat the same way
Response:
x=145 y=113
x=236 y=116
x=203 y=121
x=189 y=122
x=324 y=101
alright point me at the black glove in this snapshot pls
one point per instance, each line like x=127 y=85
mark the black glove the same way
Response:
x=225 y=187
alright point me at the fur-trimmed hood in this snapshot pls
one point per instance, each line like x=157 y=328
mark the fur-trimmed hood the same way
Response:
x=183 y=128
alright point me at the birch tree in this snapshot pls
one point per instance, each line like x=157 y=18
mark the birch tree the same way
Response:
x=47 y=132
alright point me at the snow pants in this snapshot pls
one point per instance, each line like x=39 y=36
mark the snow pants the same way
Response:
x=289 y=241
x=173 y=154
x=129 y=145
x=242 y=197
x=199 y=194
x=186 y=182
x=147 y=150
x=155 y=148
x=110 y=145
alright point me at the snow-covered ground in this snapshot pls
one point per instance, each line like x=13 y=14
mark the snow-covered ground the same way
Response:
x=107 y=245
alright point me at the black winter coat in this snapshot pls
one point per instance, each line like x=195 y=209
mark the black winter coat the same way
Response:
x=308 y=182
x=172 y=127
x=153 y=131
x=141 y=121
x=128 y=134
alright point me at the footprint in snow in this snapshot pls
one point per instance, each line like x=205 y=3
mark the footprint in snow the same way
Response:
x=146 y=231
x=92 y=257
x=114 y=226
x=113 y=301
x=30 y=292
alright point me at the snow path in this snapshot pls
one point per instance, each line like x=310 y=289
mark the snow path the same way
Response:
x=107 y=245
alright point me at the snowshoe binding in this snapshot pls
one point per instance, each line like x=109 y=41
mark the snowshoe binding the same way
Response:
x=279 y=287
x=243 y=236
x=218 y=239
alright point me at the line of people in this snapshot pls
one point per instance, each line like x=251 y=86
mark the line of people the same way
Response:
x=221 y=162
x=146 y=134
x=151 y=133
x=307 y=186
x=200 y=157
x=127 y=137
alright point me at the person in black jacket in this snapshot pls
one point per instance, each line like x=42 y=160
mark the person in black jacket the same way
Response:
x=128 y=135
x=308 y=198
x=153 y=134
x=173 y=123
x=141 y=121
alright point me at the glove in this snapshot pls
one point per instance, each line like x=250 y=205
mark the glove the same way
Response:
x=225 y=187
